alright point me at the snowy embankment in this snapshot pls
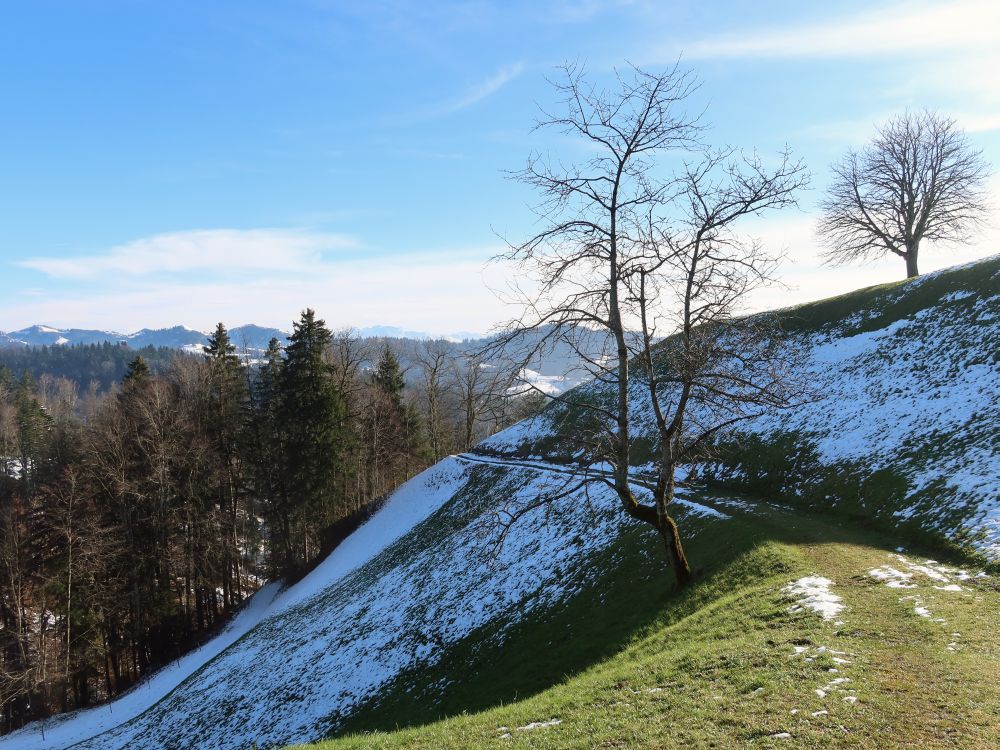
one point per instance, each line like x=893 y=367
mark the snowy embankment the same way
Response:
x=921 y=396
x=409 y=506
x=421 y=575
x=905 y=379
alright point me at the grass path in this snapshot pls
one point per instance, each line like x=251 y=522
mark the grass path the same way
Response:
x=727 y=664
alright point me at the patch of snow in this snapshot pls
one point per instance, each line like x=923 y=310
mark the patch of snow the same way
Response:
x=551 y=385
x=918 y=606
x=893 y=578
x=813 y=592
x=930 y=569
x=540 y=725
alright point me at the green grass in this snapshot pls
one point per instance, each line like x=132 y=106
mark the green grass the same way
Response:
x=628 y=663
x=884 y=304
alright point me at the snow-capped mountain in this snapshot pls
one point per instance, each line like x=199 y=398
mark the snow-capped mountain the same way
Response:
x=250 y=336
x=176 y=337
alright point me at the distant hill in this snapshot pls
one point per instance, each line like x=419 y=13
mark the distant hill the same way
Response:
x=104 y=364
x=553 y=370
x=251 y=336
x=176 y=337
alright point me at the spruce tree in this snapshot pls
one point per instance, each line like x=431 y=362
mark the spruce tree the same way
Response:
x=312 y=418
x=269 y=455
x=7 y=381
x=388 y=377
x=137 y=373
x=228 y=396
x=33 y=427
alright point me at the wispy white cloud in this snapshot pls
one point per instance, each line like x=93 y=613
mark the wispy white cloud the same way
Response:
x=979 y=122
x=945 y=49
x=215 y=251
x=966 y=80
x=896 y=28
x=265 y=276
x=482 y=90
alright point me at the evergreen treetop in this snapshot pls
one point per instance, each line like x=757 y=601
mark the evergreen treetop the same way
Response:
x=137 y=372
x=388 y=377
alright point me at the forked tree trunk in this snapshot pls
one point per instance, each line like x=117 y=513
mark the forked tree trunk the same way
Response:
x=667 y=528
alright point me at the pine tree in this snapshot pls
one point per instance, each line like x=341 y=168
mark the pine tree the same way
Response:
x=33 y=427
x=313 y=421
x=227 y=406
x=7 y=381
x=137 y=374
x=267 y=450
x=395 y=439
x=388 y=377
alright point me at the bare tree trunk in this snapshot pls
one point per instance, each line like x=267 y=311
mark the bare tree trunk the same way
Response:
x=911 y=263
x=675 y=550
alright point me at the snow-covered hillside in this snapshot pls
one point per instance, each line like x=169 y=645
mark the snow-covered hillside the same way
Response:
x=907 y=379
x=422 y=574
x=911 y=379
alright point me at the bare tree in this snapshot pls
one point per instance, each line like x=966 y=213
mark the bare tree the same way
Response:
x=918 y=179
x=432 y=359
x=484 y=386
x=347 y=356
x=640 y=253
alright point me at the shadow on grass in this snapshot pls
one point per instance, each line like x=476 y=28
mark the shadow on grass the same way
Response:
x=630 y=595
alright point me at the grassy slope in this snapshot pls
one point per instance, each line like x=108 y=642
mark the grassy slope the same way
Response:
x=629 y=664
x=719 y=659
x=884 y=304
x=876 y=487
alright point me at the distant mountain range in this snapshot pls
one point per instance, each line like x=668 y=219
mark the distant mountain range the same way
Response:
x=179 y=337
x=553 y=369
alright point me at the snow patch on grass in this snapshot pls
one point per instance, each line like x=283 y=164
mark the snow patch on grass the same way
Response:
x=894 y=579
x=931 y=570
x=813 y=592
x=540 y=725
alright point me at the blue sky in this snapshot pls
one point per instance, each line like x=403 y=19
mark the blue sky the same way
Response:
x=188 y=162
